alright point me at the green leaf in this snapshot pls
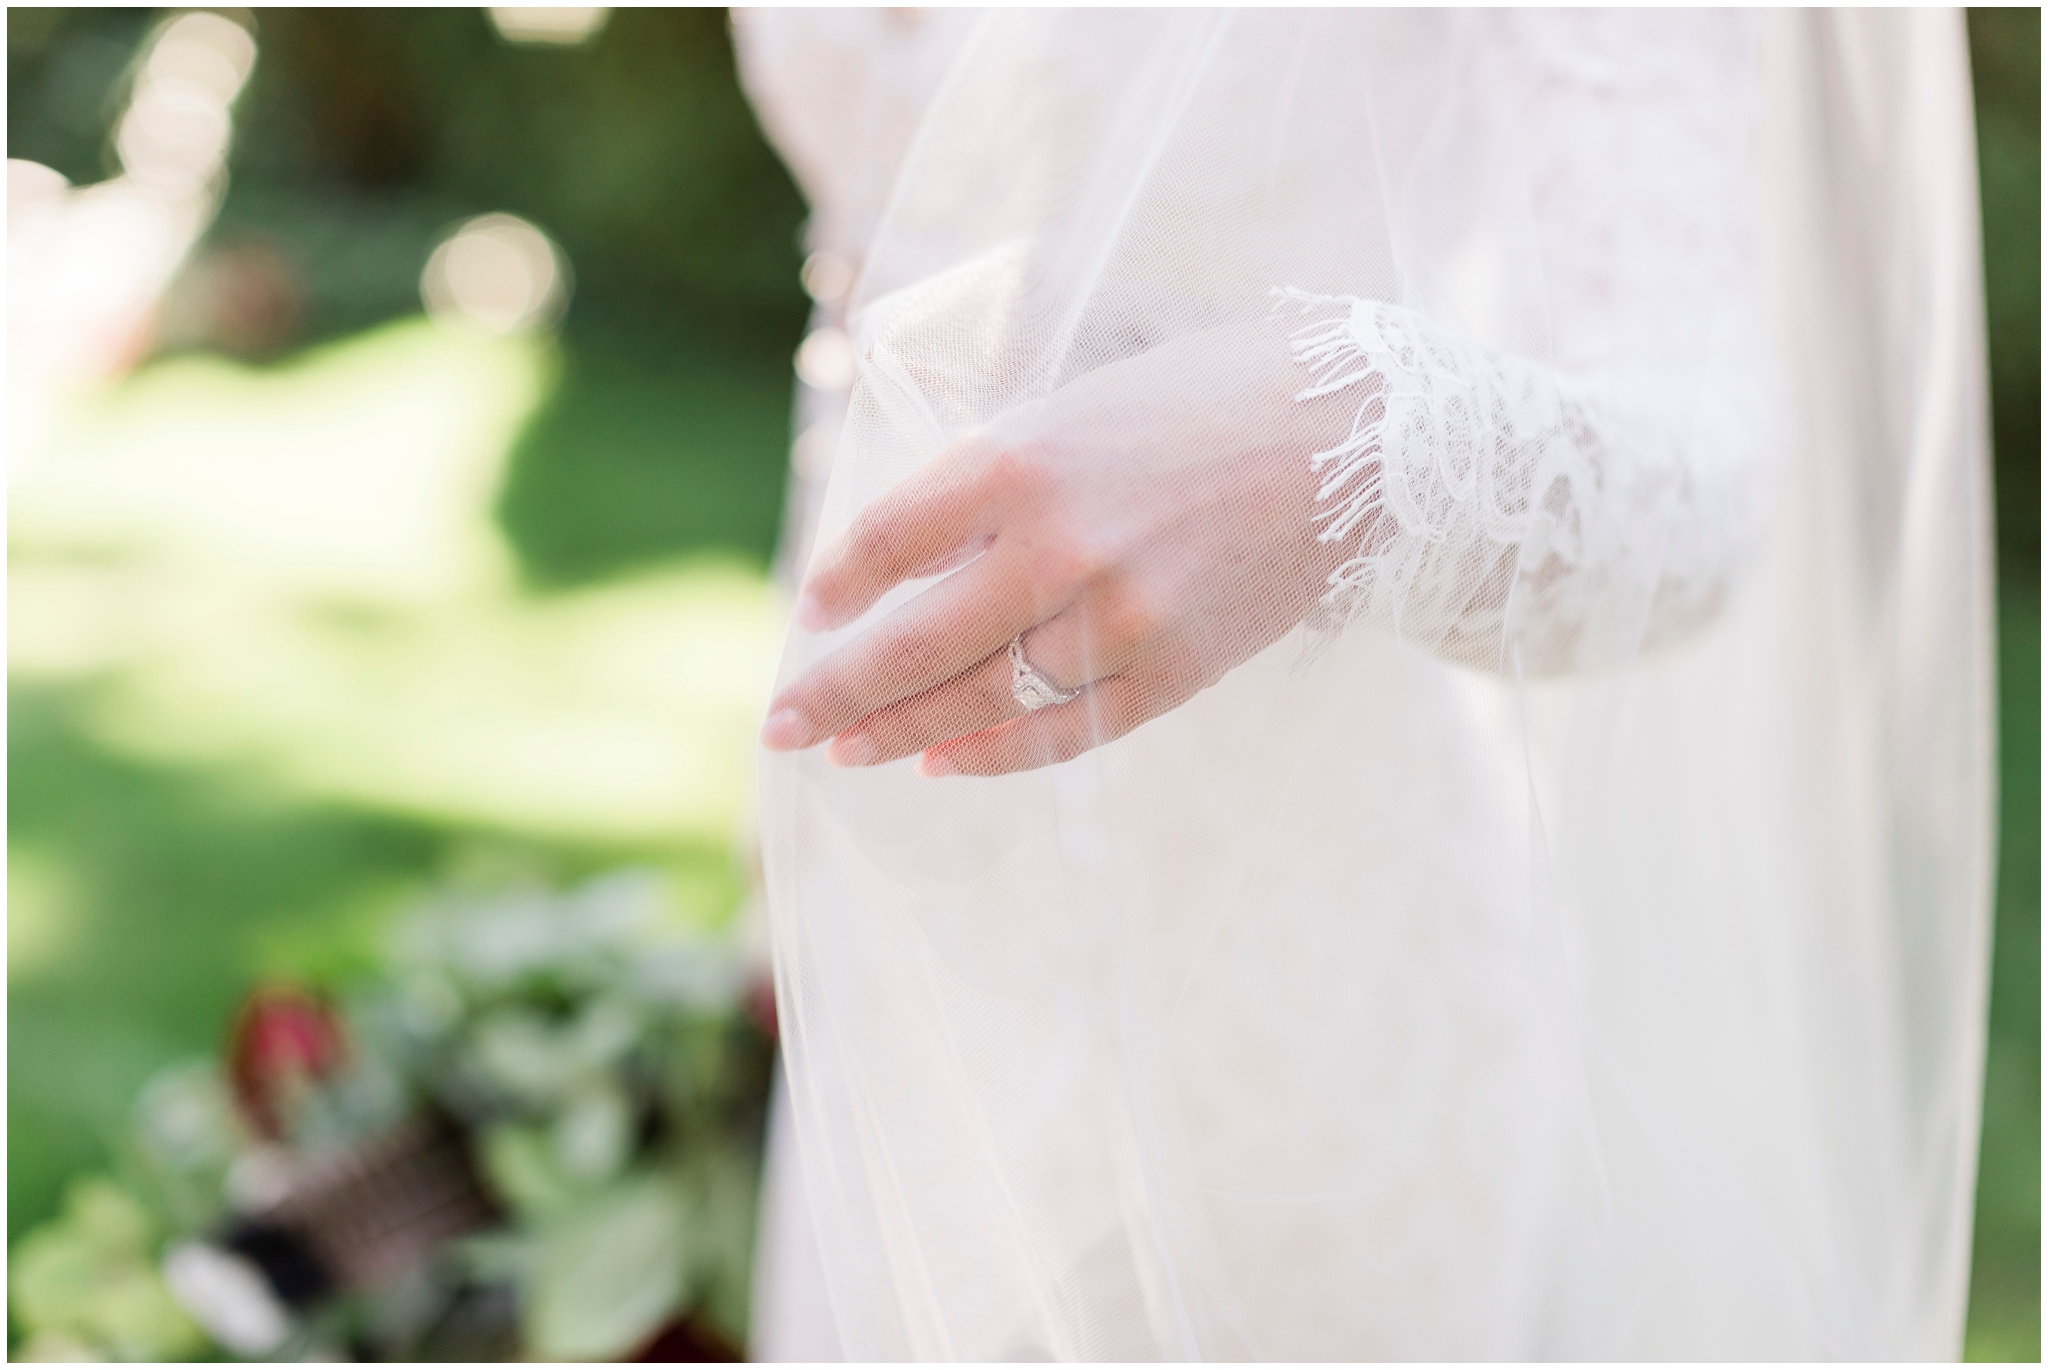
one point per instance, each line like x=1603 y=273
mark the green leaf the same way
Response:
x=611 y=1274
x=725 y=1180
x=87 y=1280
x=593 y=1136
x=519 y=1162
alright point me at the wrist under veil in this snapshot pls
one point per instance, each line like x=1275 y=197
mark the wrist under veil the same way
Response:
x=1572 y=941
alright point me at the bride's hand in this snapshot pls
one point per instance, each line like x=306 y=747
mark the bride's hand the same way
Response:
x=1146 y=528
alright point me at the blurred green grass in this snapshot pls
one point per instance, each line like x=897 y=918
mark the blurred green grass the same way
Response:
x=141 y=900
x=173 y=838
x=593 y=487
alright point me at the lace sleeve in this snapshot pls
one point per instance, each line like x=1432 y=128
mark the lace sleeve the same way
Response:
x=1510 y=513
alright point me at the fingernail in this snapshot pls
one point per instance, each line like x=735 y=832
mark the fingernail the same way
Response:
x=811 y=614
x=934 y=767
x=785 y=731
x=852 y=749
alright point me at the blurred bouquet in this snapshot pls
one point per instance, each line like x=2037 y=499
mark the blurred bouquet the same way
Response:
x=534 y=1132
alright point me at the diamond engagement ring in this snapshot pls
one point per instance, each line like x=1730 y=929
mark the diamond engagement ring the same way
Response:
x=1031 y=689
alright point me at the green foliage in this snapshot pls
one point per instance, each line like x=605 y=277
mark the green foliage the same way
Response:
x=173 y=882
x=592 y=1038
x=610 y=1271
x=2005 y=60
x=2005 y=1307
x=364 y=133
x=2005 y=1289
x=636 y=151
x=86 y=1286
x=65 y=68
x=593 y=1042
x=184 y=1139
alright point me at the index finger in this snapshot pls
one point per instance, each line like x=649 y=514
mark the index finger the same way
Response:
x=939 y=634
x=935 y=519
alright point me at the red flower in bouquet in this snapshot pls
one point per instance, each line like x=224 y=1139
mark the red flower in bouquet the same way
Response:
x=285 y=1041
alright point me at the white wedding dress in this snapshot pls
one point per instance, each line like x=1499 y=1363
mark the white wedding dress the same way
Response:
x=1570 y=941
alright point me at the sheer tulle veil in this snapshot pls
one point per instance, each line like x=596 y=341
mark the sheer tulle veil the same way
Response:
x=1571 y=940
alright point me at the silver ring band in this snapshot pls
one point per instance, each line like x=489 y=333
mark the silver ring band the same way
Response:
x=1030 y=689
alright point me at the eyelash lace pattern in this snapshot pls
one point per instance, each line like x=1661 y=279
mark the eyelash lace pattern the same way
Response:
x=1511 y=516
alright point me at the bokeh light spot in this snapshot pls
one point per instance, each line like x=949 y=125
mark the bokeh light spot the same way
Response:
x=559 y=24
x=828 y=276
x=175 y=133
x=494 y=275
x=826 y=360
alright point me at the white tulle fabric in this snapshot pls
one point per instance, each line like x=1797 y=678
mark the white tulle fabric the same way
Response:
x=1570 y=941
x=840 y=92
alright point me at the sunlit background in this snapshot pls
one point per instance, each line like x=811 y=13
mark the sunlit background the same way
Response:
x=398 y=409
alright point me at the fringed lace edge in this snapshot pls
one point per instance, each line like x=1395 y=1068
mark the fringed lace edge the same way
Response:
x=1340 y=353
